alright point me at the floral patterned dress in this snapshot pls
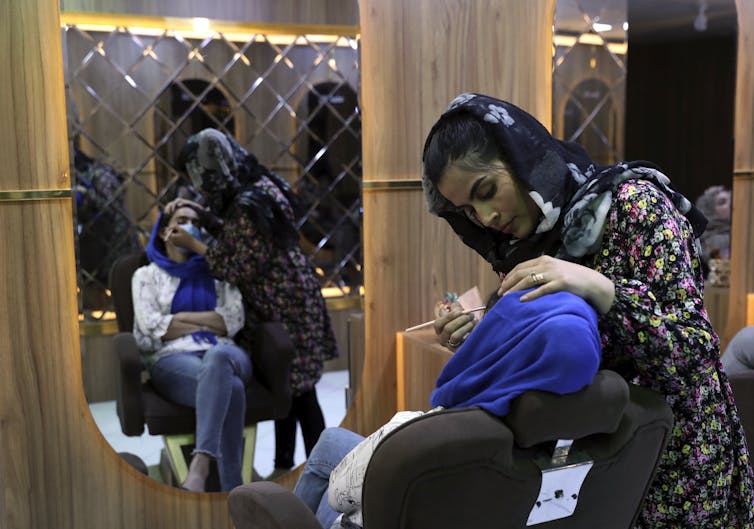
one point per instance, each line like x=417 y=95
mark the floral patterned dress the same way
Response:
x=658 y=335
x=277 y=285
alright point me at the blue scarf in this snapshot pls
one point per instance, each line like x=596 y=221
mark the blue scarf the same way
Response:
x=196 y=291
x=520 y=346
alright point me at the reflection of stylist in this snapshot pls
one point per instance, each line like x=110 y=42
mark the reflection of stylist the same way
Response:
x=256 y=248
x=620 y=237
x=183 y=322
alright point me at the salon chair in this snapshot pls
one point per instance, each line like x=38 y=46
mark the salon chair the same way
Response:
x=467 y=468
x=138 y=403
x=743 y=391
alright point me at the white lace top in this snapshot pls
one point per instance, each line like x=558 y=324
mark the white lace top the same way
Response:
x=347 y=479
x=153 y=290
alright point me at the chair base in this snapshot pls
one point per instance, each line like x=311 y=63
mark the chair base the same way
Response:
x=177 y=462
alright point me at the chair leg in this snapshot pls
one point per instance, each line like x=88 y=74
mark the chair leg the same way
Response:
x=178 y=463
x=249 y=445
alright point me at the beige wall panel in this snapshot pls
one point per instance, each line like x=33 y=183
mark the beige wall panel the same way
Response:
x=416 y=56
x=275 y=11
x=742 y=243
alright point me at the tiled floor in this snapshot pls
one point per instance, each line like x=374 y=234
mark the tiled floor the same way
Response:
x=330 y=391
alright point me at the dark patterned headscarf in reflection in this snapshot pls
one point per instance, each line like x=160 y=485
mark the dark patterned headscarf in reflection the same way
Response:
x=572 y=193
x=227 y=175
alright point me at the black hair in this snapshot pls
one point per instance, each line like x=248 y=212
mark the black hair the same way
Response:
x=459 y=138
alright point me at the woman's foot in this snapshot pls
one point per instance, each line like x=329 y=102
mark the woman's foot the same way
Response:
x=197 y=474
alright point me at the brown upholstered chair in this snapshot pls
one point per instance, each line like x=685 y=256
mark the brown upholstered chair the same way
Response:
x=743 y=391
x=467 y=468
x=138 y=403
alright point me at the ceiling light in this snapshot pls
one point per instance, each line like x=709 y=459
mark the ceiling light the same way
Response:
x=599 y=27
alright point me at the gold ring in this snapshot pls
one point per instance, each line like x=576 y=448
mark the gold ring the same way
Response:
x=537 y=279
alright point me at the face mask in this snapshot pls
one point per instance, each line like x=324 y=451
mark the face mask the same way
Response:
x=192 y=230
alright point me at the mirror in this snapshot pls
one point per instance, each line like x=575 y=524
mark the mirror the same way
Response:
x=135 y=95
x=685 y=123
x=646 y=80
x=589 y=76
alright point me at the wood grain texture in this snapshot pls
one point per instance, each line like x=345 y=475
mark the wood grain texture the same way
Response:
x=417 y=56
x=56 y=469
x=742 y=243
x=274 y=11
x=716 y=303
x=420 y=360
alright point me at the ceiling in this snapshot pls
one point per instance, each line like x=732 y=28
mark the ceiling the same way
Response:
x=647 y=19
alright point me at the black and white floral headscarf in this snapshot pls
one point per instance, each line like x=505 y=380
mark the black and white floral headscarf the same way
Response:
x=227 y=174
x=573 y=194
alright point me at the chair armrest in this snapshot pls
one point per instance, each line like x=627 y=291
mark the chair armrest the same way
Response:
x=271 y=354
x=129 y=400
x=267 y=505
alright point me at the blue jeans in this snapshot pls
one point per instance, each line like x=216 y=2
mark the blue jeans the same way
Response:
x=214 y=382
x=332 y=447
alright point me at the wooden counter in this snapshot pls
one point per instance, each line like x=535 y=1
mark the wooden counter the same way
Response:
x=420 y=358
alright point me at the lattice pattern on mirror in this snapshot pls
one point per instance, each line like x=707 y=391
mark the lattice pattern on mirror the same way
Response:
x=589 y=75
x=134 y=98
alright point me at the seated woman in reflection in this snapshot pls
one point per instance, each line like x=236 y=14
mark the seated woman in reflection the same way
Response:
x=739 y=354
x=545 y=217
x=550 y=344
x=256 y=248
x=184 y=321
x=715 y=205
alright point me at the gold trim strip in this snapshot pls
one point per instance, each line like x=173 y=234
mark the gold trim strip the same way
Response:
x=110 y=327
x=350 y=302
x=391 y=185
x=34 y=194
x=98 y=328
x=109 y=21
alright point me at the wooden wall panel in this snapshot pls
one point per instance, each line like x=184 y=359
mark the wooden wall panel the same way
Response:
x=742 y=243
x=417 y=56
x=335 y=12
x=56 y=469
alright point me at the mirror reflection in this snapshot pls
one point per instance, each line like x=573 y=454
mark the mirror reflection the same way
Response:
x=135 y=96
x=632 y=79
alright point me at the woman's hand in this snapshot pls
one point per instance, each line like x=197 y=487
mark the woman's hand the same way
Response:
x=549 y=275
x=208 y=219
x=180 y=237
x=454 y=327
